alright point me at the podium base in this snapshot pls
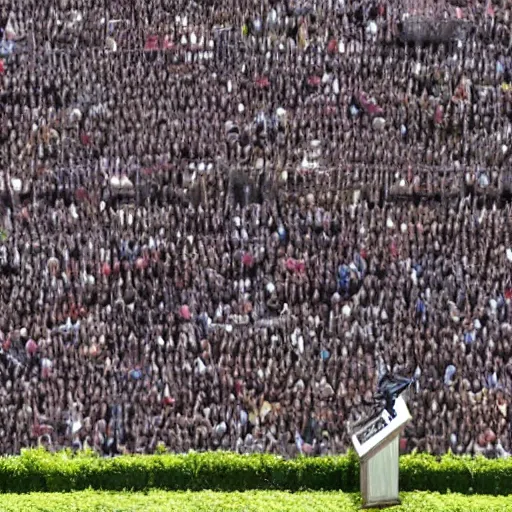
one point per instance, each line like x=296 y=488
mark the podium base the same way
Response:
x=381 y=504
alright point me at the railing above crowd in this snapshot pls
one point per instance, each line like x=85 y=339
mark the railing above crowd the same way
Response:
x=64 y=26
x=352 y=182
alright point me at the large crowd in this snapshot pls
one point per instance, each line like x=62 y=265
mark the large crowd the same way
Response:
x=222 y=222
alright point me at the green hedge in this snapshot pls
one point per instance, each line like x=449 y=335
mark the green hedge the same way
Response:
x=39 y=471
x=250 y=501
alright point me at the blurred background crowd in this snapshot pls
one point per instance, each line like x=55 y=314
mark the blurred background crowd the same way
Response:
x=222 y=221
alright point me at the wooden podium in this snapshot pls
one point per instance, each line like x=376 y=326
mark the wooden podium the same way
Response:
x=377 y=444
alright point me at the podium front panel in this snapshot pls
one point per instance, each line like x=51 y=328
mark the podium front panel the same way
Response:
x=379 y=476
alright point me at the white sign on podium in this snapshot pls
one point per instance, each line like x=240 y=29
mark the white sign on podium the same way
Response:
x=377 y=445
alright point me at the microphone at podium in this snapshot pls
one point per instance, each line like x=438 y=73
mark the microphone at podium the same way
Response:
x=389 y=388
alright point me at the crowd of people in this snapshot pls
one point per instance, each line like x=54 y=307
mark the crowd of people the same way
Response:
x=221 y=223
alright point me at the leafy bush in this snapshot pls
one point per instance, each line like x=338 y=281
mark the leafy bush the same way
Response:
x=40 y=471
x=251 y=501
x=463 y=474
